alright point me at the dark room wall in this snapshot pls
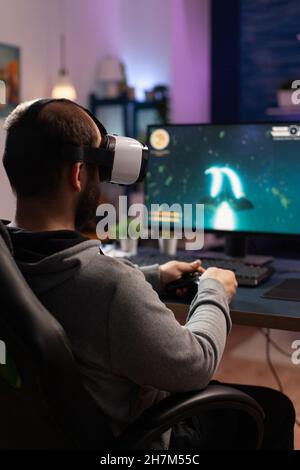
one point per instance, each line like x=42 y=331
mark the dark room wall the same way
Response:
x=254 y=50
x=269 y=52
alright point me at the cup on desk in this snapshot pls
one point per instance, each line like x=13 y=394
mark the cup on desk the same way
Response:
x=168 y=246
x=129 y=245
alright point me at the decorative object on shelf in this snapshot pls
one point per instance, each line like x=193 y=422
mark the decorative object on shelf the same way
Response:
x=157 y=93
x=286 y=110
x=131 y=92
x=160 y=95
x=284 y=94
x=135 y=115
x=111 y=80
x=10 y=77
x=63 y=87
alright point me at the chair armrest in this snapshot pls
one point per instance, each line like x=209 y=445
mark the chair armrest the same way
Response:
x=163 y=415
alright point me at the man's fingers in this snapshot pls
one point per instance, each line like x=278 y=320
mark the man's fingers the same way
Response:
x=196 y=266
x=189 y=267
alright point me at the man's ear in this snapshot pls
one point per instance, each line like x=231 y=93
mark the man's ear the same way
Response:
x=76 y=176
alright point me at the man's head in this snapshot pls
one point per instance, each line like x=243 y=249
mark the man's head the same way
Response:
x=37 y=173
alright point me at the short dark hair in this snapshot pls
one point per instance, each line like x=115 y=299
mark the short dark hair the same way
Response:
x=35 y=171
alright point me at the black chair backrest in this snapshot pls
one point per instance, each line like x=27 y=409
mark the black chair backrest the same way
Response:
x=48 y=407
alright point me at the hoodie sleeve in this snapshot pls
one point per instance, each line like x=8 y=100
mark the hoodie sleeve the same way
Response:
x=151 y=273
x=149 y=346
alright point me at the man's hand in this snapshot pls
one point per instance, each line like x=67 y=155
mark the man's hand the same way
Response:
x=226 y=277
x=173 y=270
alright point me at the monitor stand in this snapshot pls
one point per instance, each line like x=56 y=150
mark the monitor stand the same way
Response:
x=236 y=246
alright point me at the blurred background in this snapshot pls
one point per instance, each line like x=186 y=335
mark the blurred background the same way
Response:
x=114 y=51
x=136 y=62
x=140 y=62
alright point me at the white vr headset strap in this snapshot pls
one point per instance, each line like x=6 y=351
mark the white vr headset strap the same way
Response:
x=127 y=160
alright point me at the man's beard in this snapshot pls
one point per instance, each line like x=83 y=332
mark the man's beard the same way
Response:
x=87 y=205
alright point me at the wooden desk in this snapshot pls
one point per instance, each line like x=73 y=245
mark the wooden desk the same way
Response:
x=250 y=309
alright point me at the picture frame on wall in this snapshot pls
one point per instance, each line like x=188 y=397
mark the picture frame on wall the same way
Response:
x=10 y=74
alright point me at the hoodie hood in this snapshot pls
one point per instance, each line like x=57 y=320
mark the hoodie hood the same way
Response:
x=48 y=259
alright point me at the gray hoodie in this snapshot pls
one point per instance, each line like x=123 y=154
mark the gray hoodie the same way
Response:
x=130 y=349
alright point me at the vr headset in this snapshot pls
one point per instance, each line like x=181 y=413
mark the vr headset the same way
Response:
x=121 y=160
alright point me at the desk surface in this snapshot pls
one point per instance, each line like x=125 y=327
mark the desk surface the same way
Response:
x=249 y=308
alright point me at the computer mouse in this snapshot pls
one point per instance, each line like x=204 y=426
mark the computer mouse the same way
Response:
x=184 y=288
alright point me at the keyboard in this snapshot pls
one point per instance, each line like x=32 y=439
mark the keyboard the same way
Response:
x=247 y=274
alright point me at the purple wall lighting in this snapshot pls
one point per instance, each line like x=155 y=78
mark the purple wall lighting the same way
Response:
x=190 y=74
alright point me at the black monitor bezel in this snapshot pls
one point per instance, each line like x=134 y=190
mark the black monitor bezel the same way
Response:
x=289 y=236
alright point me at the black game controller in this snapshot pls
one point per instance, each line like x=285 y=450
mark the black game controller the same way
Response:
x=184 y=288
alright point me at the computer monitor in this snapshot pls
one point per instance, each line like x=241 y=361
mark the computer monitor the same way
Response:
x=247 y=175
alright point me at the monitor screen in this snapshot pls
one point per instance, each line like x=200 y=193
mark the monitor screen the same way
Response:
x=246 y=175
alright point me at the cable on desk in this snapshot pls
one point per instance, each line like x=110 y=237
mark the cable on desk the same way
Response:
x=269 y=342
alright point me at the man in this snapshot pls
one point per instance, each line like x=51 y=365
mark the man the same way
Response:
x=129 y=348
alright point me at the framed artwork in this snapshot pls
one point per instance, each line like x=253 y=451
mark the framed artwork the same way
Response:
x=10 y=74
